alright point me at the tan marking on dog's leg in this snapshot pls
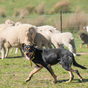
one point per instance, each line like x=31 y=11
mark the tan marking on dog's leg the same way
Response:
x=33 y=72
x=76 y=71
x=81 y=46
x=54 y=76
x=86 y=46
x=71 y=77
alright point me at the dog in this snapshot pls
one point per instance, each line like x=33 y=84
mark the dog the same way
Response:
x=84 y=38
x=47 y=57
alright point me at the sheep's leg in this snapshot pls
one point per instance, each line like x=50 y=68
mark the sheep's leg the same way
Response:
x=3 y=53
x=16 y=50
x=56 y=45
x=7 y=51
x=46 y=45
x=21 y=52
x=73 y=47
x=11 y=50
x=69 y=47
x=39 y=44
x=49 y=45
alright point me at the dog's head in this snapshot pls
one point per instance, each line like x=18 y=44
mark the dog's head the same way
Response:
x=81 y=35
x=28 y=50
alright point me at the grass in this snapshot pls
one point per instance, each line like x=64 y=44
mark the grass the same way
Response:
x=14 y=70
x=11 y=5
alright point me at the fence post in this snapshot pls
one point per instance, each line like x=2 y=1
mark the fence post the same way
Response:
x=61 y=20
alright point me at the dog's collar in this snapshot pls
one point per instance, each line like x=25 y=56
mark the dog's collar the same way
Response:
x=33 y=57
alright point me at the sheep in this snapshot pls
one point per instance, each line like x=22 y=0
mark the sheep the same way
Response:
x=16 y=35
x=65 y=38
x=9 y=22
x=2 y=48
x=47 y=27
x=41 y=38
x=17 y=23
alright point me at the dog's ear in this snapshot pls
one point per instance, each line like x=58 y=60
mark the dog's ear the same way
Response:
x=23 y=44
x=33 y=44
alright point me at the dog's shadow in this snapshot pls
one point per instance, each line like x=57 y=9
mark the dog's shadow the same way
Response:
x=14 y=57
x=84 y=80
x=78 y=55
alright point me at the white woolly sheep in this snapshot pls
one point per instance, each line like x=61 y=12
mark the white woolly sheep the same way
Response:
x=2 y=48
x=16 y=35
x=65 y=38
x=42 y=38
x=9 y=22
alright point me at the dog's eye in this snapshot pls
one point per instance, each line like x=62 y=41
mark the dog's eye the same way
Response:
x=28 y=48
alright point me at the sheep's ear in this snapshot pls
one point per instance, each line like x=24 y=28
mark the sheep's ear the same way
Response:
x=51 y=31
x=23 y=44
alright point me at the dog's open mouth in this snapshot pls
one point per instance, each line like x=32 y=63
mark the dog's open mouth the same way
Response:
x=28 y=57
x=79 y=37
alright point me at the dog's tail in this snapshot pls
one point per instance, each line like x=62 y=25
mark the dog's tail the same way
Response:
x=75 y=63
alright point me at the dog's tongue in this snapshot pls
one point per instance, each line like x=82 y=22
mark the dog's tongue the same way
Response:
x=79 y=37
x=28 y=58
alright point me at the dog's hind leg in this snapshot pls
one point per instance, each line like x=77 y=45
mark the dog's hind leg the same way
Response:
x=86 y=46
x=76 y=71
x=81 y=46
x=51 y=72
x=33 y=72
x=71 y=76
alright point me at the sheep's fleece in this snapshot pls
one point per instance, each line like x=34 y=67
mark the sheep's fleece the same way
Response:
x=17 y=35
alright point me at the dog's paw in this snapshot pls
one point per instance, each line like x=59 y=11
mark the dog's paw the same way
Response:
x=28 y=79
x=54 y=82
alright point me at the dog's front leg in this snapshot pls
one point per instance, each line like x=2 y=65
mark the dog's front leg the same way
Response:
x=33 y=72
x=52 y=73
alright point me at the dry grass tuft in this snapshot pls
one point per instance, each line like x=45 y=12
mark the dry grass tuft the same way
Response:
x=39 y=21
x=24 y=11
x=40 y=8
x=2 y=12
x=62 y=5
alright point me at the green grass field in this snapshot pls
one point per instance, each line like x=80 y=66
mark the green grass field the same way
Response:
x=15 y=69
x=11 y=5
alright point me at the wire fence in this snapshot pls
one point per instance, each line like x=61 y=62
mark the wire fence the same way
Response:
x=72 y=22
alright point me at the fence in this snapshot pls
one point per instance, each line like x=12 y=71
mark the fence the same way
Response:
x=72 y=22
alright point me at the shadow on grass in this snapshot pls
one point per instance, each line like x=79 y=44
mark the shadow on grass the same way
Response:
x=76 y=81
x=12 y=57
x=78 y=54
